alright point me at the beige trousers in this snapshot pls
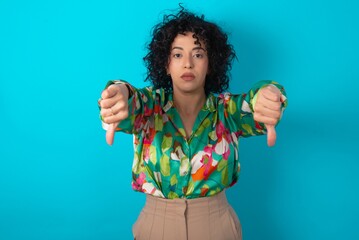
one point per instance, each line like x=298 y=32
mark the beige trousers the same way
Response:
x=208 y=218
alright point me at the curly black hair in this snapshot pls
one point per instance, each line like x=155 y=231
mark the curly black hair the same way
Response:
x=220 y=52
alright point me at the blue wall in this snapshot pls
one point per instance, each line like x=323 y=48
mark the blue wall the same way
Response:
x=59 y=179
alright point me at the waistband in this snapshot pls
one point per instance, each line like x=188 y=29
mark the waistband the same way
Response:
x=180 y=206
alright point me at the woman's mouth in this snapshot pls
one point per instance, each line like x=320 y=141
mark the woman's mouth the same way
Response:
x=187 y=76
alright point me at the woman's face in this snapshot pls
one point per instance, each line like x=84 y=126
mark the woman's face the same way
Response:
x=187 y=65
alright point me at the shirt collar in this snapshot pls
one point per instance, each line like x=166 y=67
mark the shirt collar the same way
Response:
x=167 y=102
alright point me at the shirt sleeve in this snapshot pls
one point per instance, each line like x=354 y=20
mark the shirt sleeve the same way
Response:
x=140 y=105
x=239 y=109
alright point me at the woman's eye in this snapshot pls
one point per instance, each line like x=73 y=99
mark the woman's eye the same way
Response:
x=177 y=55
x=198 y=55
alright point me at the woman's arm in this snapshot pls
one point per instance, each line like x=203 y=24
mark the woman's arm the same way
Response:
x=124 y=107
x=252 y=112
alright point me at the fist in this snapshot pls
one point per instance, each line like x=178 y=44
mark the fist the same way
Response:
x=114 y=108
x=267 y=110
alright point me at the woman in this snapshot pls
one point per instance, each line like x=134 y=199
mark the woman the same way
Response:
x=186 y=130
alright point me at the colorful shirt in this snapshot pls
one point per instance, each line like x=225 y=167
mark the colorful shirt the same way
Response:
x=168 y=164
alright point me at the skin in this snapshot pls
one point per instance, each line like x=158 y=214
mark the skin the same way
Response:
x=268 y=111
x=186 y=57
x=114 y=108
x=188 y=67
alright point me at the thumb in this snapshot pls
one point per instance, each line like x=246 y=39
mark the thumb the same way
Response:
x=110 y=133
x=271 y=135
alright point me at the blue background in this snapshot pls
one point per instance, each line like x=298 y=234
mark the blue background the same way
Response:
x=59 y=179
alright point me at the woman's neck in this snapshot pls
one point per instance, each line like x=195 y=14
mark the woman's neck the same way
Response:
x=189 y=104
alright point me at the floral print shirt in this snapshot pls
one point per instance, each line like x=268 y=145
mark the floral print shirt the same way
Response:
x=168 y=164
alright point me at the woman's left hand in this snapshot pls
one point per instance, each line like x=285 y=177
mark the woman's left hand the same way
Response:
x=267 y=110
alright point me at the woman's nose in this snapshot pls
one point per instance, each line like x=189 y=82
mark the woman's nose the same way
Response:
x=188 y=63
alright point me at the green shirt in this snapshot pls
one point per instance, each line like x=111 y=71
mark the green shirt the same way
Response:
x=166 y=164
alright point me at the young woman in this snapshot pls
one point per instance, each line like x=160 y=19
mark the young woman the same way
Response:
x=186 y=130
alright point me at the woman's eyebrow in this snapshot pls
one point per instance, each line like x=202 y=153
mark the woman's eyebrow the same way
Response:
x=193 y=49
x=199 y=48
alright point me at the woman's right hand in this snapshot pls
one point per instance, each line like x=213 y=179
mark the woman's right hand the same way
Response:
x=114 y=108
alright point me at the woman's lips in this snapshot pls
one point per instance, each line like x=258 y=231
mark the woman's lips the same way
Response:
x=187 y=76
